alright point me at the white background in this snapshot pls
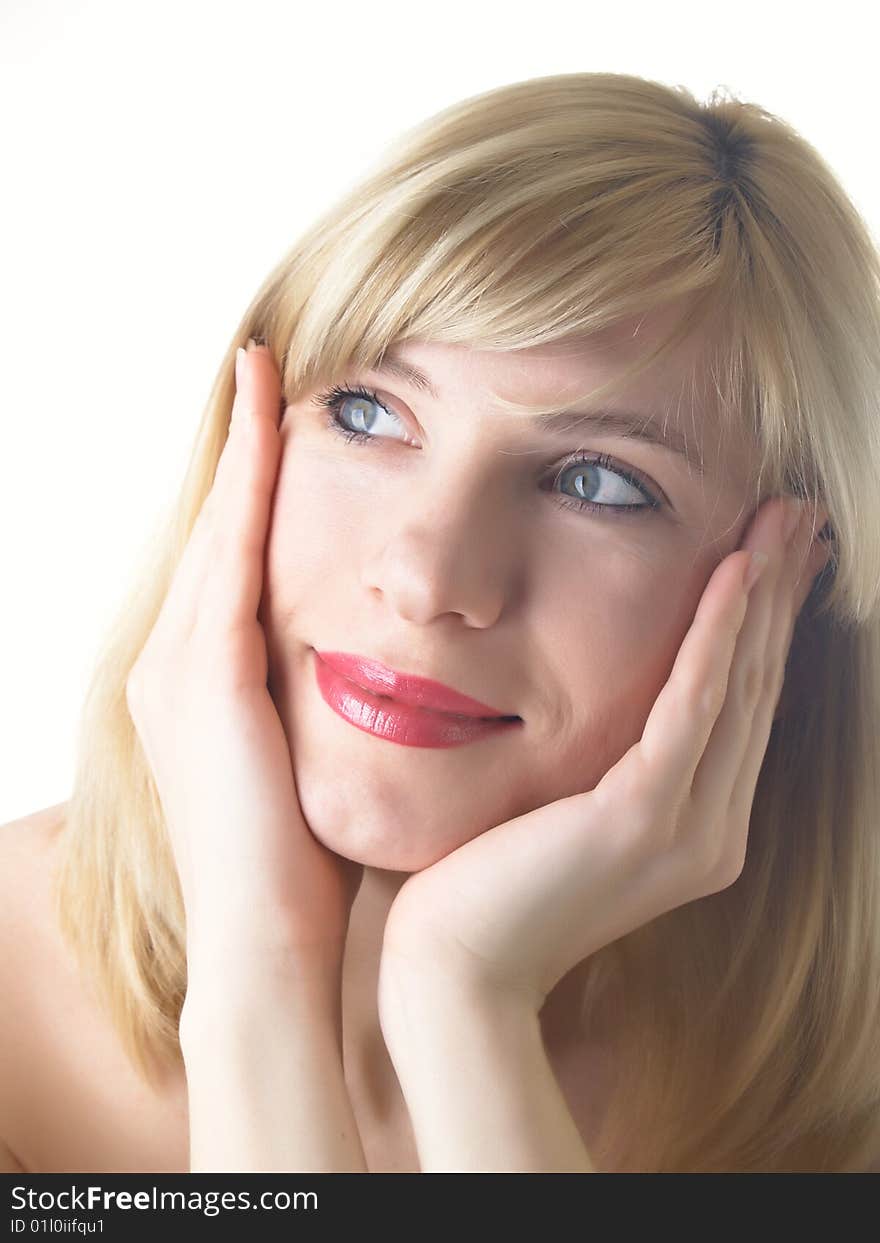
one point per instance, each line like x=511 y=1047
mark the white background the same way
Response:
x=158 y=159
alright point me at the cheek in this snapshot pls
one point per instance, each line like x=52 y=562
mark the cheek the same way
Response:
x=611 y=651
x=313 y=516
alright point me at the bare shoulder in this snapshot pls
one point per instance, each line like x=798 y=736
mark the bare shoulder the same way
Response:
x=20 y=838
x=26 y=850
x=26 y=859
x=26 y=855
x=70 y=1099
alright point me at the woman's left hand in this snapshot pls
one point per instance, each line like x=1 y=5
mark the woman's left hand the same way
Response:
x=514 y=909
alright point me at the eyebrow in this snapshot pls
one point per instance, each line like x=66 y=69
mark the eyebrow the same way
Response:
x=629 y=424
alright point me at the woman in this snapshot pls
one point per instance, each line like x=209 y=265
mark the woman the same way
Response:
x=323 y=919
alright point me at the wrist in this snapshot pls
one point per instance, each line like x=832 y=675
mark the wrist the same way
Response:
x=257 y=925
x=441 y=998
x=426 y=983
x=252 y=1028
x=235 y=950
x=245 y=987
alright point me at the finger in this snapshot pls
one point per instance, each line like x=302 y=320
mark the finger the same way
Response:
x=233 y=586
x=806 y=560
x=268 y=403
x=227 y=502
x=757 y=647
x=684 y=713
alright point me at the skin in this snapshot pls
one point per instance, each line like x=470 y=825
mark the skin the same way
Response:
x=450 y=558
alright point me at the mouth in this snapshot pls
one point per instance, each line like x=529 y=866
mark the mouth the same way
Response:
x=458 y=716
x=411 y=725
x=408 y=690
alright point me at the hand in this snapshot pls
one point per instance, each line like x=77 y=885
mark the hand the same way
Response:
x=198 y=696
x=517 y=907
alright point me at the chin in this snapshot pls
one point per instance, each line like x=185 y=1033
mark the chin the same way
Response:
x=381 y=852
x=373 y=837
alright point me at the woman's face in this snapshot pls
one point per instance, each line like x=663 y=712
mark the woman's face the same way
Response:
x=444 y=548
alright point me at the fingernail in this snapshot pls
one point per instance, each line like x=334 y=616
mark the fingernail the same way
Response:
x=753 y=571
x=240 y=369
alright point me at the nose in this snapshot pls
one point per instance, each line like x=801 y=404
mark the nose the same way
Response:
x=459 y=555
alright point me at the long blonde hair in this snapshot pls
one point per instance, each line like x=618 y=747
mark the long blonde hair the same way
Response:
x=747 y=1023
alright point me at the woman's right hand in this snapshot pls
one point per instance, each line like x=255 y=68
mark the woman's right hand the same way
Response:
x=250 y=869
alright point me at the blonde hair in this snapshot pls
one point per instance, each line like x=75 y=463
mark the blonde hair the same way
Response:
x=747 y=1023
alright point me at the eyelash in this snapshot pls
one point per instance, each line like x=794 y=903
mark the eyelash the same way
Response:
x=332 y=399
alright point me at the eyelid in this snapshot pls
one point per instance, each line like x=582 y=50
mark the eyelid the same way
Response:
x=630 y=475
x=389 y=409
x=653 y=489
x=374 y=395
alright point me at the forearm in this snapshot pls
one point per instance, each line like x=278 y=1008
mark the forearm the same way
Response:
x=262 y=1050
x=480 y=1090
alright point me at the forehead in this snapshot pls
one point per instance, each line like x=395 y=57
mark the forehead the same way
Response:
x=548 y=372
x=676 y=391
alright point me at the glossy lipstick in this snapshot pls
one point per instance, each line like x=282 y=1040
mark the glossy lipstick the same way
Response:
x=402 y=708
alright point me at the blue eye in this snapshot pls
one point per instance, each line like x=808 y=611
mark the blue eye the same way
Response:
x=587 y=472
x=336 y=398
x=588 y=476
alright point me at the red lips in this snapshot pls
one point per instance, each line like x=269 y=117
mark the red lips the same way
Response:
x=405 y=688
